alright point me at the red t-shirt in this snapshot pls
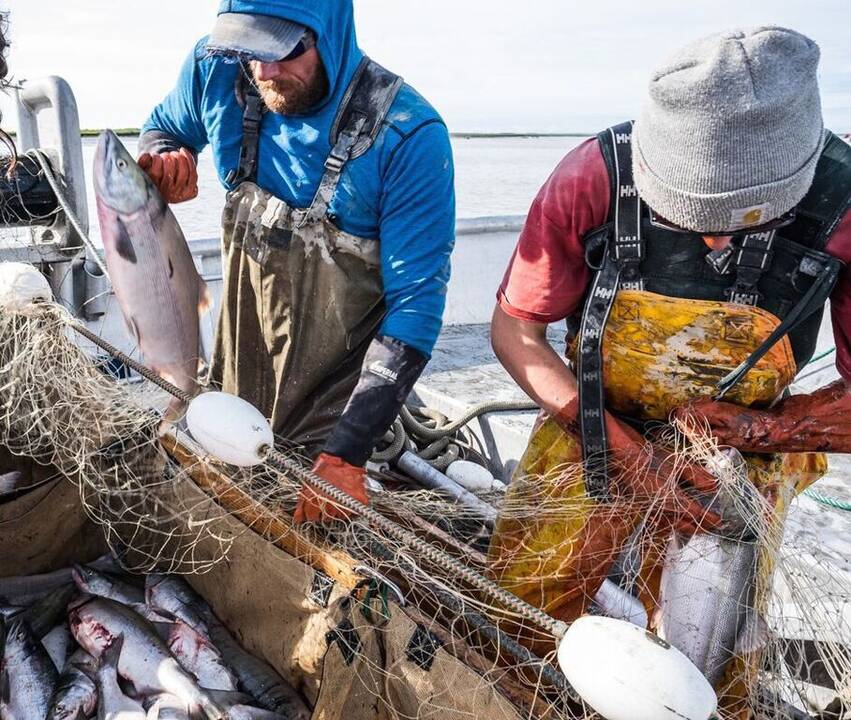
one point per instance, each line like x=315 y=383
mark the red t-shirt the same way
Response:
x=547 y=277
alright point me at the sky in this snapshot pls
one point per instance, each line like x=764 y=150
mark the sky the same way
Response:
x=487 y=65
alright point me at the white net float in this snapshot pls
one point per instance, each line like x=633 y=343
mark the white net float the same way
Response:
x=22 y=284
x=229 y=428
x=473 y=477
x=627 y=673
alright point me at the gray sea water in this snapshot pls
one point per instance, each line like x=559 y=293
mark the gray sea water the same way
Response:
x=494 y=176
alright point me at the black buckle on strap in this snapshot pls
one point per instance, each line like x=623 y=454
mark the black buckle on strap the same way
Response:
x=720 y=260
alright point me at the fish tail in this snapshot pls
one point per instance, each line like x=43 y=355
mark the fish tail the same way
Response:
x=211 y=709
x=173 y=414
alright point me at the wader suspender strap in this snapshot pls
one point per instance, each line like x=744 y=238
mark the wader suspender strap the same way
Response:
x=362 y=111
x=252 y=116
x=620 y=268
x=825 y=207
x=753 y=259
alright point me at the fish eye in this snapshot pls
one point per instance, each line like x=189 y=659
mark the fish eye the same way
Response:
x=121 y=163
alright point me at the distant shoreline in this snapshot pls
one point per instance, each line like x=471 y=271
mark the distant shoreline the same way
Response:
x=133 y=132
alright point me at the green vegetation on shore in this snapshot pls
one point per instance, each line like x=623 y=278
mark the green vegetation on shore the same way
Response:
x=121 y=132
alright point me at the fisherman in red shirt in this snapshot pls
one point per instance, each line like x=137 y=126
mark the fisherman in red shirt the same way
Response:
x=692 y=252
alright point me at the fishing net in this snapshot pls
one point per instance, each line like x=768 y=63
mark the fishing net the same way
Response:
x=448 y=644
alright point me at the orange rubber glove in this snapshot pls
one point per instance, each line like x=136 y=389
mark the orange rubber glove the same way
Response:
x=174 y=174
x=314 y=506
x=818 y=421
x=642 y=472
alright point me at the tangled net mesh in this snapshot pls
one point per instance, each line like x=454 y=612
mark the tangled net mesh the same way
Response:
x=787 y=601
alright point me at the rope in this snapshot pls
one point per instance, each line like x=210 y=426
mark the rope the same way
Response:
x=143 y=370
x=415 y=426
x=494 y=592
x=392 y=451
x=821 y=355
x=829 y=500
x=44 y=161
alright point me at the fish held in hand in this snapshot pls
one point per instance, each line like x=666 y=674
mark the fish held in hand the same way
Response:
x=145 y=660
x=27 y=675
x=151 y=268
x=708 y=580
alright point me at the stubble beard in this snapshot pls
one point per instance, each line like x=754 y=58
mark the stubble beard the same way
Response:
x=288 y=97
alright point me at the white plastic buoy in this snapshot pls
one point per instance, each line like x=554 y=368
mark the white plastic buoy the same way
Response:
x=627 y=673
x=229 y=428
x=473 y=477
x=22 y=284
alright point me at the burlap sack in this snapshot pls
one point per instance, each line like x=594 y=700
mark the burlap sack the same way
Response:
x=44 y=528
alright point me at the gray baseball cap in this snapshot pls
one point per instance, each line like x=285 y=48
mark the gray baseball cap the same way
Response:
x=260 y=37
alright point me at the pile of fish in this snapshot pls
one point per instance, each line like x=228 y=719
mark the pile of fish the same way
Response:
x=89 y=641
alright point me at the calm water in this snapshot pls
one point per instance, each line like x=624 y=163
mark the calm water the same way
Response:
x=494 y=176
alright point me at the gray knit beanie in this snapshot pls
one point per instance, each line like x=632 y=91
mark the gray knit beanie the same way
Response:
x=732 y=130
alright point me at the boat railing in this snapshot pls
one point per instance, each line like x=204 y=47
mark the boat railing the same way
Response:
x=48 y=120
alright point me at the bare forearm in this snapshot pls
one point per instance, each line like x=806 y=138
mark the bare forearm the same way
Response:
x=536 y=367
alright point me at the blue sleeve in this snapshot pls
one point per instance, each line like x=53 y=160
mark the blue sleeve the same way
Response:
x=417 y=235
x=179 y=114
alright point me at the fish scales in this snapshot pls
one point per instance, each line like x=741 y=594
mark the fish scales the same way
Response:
x=76 y=693
x=151 y=268
x=144 y=660
x=708 y=580
x=27 y=675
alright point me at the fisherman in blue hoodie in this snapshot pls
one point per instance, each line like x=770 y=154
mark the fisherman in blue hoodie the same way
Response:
x=337 y=229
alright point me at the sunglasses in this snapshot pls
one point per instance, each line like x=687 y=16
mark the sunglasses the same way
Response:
x=308 y=40
x=779 y=222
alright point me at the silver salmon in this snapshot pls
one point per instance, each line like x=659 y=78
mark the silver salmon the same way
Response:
x=172 y=595
x=113 y=704
x=93 y=582
x=144 y=659
x=257 y=677
x=707 y=588
x=150 y=266
x=27 y=675
x=76 y=694
x=197 y=655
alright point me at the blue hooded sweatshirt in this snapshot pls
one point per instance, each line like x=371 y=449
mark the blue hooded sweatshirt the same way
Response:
x=401 y=191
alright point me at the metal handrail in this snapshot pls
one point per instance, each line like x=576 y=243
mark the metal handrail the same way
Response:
x=52 y=97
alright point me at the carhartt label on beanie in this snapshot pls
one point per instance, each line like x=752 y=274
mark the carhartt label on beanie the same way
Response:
x=732 y=130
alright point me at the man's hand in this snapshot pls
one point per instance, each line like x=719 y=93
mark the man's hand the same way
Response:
x=645 y=473
x=819 y=421
x=174 y=174
x=314 y=506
